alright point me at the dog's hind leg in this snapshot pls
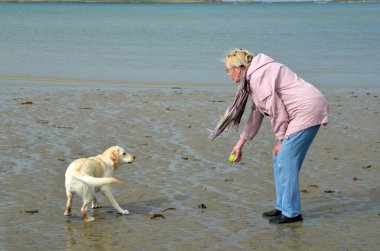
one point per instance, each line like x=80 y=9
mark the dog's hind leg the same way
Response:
x=88 y=197
x=85 y=215
x=68 y=203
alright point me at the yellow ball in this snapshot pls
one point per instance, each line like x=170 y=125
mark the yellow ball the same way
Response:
x=232 y=158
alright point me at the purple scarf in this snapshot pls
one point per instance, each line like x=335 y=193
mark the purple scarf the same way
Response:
x=235 y=111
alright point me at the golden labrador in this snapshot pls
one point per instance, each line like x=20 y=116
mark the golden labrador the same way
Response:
x=87 y=176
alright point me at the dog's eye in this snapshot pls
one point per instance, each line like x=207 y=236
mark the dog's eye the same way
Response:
x=124 y=153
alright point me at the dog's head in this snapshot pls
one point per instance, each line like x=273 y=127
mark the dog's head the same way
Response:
x=119 y=156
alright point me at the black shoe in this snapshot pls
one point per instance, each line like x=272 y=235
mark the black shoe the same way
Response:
x=282 y=219
x=272 y=213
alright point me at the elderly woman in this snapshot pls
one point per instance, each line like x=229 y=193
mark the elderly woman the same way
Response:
x=296 y=110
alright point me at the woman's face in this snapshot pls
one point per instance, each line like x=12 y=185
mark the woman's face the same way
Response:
x=234 y=73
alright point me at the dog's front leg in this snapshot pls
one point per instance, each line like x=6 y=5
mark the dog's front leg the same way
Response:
x=95 y=204
x=107 y=192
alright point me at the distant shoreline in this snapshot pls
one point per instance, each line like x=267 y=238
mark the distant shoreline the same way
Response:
x=109 y=1
x=184 y=1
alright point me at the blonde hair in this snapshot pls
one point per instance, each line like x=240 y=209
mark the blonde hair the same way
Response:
x=238 y=58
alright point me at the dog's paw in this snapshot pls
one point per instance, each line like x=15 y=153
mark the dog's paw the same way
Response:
x=89 y=218
x=124 y=212
x=67 y=214
x=96 y=206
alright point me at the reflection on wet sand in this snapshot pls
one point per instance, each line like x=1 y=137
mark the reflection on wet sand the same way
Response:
x=45 y=127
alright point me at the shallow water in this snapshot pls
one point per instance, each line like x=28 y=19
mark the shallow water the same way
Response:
x=176 y=167
x=333 y=43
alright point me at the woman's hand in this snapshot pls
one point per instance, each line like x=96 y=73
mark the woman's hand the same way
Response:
x=237 y=150
x=276 y=148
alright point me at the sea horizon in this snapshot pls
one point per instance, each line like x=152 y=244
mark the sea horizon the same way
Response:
x=326 y=44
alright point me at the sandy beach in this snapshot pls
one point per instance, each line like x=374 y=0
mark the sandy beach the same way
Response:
x=206 y=203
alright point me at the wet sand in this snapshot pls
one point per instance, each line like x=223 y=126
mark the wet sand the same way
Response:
x=212 y=204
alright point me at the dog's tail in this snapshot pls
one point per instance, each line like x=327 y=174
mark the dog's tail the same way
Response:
x=93 y=181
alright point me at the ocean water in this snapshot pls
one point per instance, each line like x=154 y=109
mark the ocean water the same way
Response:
x=331 y=43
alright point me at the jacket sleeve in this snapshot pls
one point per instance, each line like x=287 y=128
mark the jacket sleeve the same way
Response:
x=279 y=116
x=253 y=124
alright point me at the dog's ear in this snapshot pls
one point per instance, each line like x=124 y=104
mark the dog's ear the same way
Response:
x=114 y=155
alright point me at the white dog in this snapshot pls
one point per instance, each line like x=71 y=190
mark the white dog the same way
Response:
x=89 y=175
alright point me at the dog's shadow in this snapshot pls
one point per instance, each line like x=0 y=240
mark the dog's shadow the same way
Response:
x=136 y=208
x=82 y=234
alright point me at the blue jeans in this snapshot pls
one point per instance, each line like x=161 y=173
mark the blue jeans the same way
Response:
x=287 y=165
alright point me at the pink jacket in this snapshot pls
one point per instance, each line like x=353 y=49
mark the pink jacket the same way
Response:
x=291 y=103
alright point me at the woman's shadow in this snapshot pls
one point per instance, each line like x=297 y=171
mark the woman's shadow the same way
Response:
x=335 y=203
